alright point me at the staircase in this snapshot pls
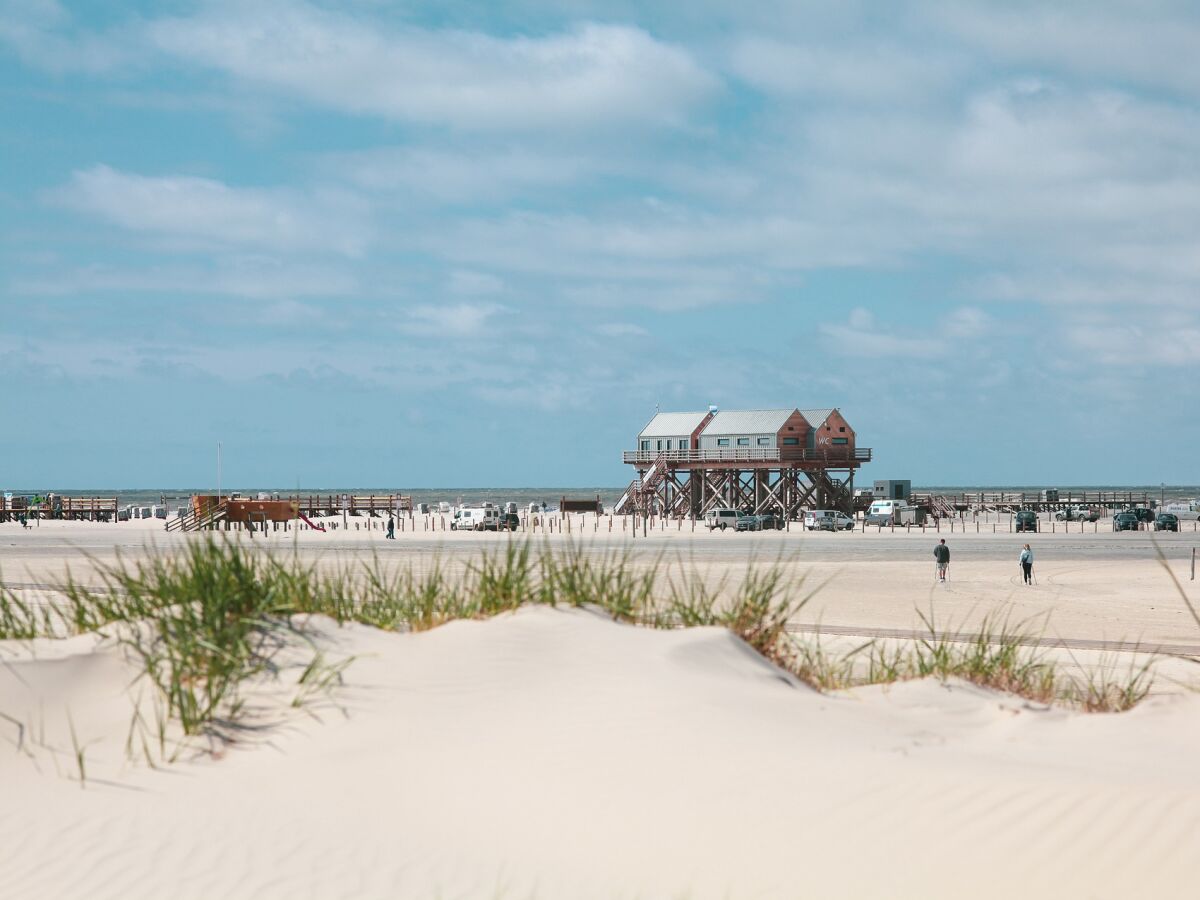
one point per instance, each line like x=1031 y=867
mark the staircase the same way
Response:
x=641 y=489
x=941 y=507
x=194 y=522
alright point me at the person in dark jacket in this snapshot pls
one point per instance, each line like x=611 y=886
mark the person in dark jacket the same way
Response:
x=391 y=532
x=941 y=554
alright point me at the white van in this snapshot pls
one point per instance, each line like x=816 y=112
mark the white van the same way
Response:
x=1184 y=509
x=723 y=518
x=827 y=520
x=889 y=512
x=476 y=518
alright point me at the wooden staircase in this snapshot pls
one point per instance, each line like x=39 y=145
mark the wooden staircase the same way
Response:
x=195 y=522
x=941 y=507
x=640 y=489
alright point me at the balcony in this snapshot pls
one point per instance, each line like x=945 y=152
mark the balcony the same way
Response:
x=831 y=455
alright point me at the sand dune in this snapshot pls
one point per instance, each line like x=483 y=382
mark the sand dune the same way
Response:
x=557 y=754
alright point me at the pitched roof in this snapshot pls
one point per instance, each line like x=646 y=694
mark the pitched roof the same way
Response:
x=816 y=417
x=671 y=424
x=747 y=421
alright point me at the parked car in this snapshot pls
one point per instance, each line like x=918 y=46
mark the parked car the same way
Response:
x=1166 y=521
x=1025 y=520
x=509 y=521
x=1076 y=514
x=722 y=518
x=1125 y=520
x=771 y=521
x=827 y=520
x=748 y=522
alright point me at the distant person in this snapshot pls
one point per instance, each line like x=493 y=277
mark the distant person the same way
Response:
x=391 y=532
x=941 y=555
x=1026 y=560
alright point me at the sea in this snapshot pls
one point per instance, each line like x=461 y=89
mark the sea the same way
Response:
x=523 y=496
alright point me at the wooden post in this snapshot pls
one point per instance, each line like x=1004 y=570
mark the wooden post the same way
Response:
x=1193 y=578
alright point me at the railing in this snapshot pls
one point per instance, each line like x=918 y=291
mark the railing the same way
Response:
x=749 y=454
x=979 y=499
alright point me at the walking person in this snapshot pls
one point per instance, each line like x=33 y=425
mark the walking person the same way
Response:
x=1026 y=560
x=391 y=532
x=941 y=555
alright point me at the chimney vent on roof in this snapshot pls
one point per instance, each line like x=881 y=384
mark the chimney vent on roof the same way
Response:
x=712 y=407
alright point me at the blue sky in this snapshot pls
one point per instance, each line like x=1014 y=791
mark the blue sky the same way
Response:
x=477 y=243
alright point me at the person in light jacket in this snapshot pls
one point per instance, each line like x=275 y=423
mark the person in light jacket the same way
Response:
x=1026 y=560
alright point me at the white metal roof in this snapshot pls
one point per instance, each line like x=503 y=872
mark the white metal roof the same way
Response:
x=671 y=424
x=747 y=421
x=816 y=417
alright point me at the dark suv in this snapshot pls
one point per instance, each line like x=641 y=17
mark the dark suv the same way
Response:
x=771 y=521
x=1166 y=521
x=1126 y=520
x=1026 y=520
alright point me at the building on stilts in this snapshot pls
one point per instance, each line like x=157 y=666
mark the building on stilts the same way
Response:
x=758 y=460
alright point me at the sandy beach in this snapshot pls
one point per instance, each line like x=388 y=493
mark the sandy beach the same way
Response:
x=555 y=753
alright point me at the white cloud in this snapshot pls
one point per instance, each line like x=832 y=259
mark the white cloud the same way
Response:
x=855 y=70
x=621 y=330
x=592 y=74
x=213 y=214
x=41 y=33
x=254 y=277
x=1154 y=339
x=1152 y=44
x=460 y=320
x=463 y=281
x=966 y=322
x=862 y=337
x=451 y=174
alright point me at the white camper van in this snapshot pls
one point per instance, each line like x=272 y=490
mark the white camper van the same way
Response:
x=476 y=518
x=1184 y=509
x=892 y=512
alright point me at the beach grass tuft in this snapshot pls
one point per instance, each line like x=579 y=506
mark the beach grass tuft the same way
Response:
x=204 y=621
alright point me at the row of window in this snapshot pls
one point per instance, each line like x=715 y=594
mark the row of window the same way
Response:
x=745 y=442
x=724 y=442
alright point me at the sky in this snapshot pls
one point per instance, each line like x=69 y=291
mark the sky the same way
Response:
x=480 y=243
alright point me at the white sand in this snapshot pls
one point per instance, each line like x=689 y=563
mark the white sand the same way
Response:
x=556 y=754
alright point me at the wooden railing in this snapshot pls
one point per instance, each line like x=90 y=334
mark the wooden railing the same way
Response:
x=749 y=454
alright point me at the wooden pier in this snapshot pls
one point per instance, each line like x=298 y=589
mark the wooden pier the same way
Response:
x=56 y=506
x=944 y=505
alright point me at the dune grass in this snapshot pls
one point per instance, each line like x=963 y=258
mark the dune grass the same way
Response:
x=204 y=621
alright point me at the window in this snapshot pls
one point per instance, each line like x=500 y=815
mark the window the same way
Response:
x=645 y=445
x=722 y=442
x=659 y=445
x=791 y=442
x=764 y=442
x=841 y=440
x=668 y=445
x=743 y=442
x=842 y=429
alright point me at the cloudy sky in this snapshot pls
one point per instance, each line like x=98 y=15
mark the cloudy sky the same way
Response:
x=476 y=243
